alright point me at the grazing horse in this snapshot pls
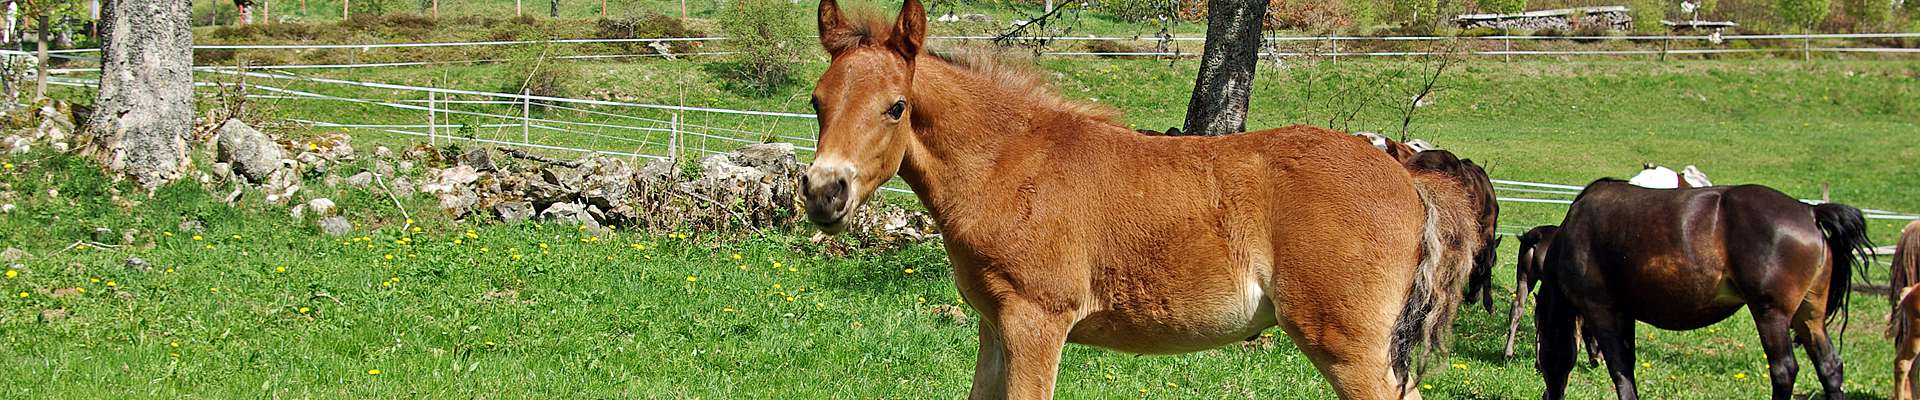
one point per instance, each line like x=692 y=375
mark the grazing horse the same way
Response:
x=1906 y=311
x=1533 y=253
x=1685 y=259
x=1436 y=167
x=1063 y=225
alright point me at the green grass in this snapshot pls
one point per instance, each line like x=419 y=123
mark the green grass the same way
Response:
x=602 y=318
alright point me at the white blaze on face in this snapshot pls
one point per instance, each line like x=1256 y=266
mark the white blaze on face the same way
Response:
x=1657 y=177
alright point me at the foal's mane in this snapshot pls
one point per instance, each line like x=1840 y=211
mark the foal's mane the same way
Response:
x=1017 y=77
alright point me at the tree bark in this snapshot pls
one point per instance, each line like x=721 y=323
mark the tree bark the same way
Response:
x=553 y=8
x=1232 y=51
x=144 y=111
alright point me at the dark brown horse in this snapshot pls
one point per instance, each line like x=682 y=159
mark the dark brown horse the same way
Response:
x=1683 y=259
x=1478 y=188
x=1533 y=253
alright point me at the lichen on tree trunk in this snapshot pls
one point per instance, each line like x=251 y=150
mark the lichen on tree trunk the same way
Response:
x=1232 y=51
x=144 y=111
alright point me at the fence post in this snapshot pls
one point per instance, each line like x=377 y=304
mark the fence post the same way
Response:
x=673 y=140
x=436 y=9
x=1806 y=48
x=1336 y=47
x=603 y=9
x=433 y=120
x=1664 y=44
x=516 y=8
x=1507 y=44
x=345 y=6
x=526 y=118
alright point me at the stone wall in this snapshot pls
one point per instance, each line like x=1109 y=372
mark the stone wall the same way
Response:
x=1612 y=18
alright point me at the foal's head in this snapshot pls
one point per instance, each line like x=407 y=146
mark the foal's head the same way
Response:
x=863 y=111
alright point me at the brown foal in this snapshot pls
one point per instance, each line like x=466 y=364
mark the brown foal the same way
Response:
x=1063 y=225
x=1906 y=311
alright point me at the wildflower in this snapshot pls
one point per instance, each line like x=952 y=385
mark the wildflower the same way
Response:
x=375 y=371
x=409 y=221
x=81 y=290
x=167 y=233
x=1427 y=386
x=483 y=249
x=23 y=295
x=516 y=257
x=12 y=273
x=472 y=235
x=909 y=270
x=1172 y=385
x=1646 y=365
x=789 y=299
x=389 y=257
x=7 y=165
x=921 y=300
x=169 y=270
x=213 y=289
x=456 y=242
x=691 y=278
x=304 y=310
x=637 y=246
x=1461 y=367
x=175 y=344
x=1740 y=376
x=236 y=237
x=209 y=247
x=776 y=265
x=543 y=246
x=312 y=147
x=776 y=285
x=280 y=269
x=1109 y=376
x=726 y=309
x=416 y=229
x=196 y=238
x=743 y=267
x=736 y=256
x=490 y=343
x=112 y=284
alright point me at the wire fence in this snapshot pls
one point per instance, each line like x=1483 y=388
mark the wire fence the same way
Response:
x=659 y=131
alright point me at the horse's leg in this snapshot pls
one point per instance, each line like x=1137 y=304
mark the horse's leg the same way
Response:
x=1351 y=362
x=1615 y=334
x=1519 y=305
x=1553 y=319
x=1592 y=345
x=1030 y=339
x=1812 y=335
x=990 y=369
x=1907 y=349
x=1774 y=324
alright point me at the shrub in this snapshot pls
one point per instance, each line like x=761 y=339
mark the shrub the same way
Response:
x=1868 y=15
x=1109 y=46
x=1646 y=15
x=1140 y=10
x=1502 y=6
x=1802 y=14
x=770 y=36
x=1414 y=12
x=1481 y=31
x=647 y=26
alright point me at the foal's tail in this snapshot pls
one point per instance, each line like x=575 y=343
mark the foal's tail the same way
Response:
x=1426 y=319
x=1846 y=233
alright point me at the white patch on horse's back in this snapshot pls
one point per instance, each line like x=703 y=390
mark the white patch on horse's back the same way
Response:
x=1420 y=145
x=1657 y=177
x=1379 y=142
x=1694 y=177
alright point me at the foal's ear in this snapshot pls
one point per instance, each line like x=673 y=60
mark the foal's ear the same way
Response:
x=836 y=35
x=909 y=30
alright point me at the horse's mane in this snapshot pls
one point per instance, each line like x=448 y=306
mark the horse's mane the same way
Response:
x=1019 y=76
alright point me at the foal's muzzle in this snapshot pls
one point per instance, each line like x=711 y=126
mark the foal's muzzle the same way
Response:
x=827 y=190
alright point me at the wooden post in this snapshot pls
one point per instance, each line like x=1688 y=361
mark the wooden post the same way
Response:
x=673 y=140
x=266 y=11
x=526 y=118
x=436 y=9
x=516 y=8
x=683 y=10
x=1336 y=47
x=1664 y=43
x=603 y=9
x=433 y=120
x=1508 y=46
x=1806 y=48
x=1826 y=192
x=345 y=8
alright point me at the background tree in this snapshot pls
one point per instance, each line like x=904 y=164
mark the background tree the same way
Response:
x=1803 y=14
x=43 y=13
x=144 y=111
x=1232 y=51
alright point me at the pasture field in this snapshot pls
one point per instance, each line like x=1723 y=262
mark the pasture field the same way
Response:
x=461 y=309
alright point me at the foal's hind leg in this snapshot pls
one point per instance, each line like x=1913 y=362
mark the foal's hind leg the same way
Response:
x=1812 y=335
x=1520 y=293
x=1774 y=324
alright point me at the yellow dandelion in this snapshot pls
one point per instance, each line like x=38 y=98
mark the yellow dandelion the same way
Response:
x=776 y=265
x=375 y=371
x=1461 y=367
x=1646 y=365
x=1143 y=390
x=7 y=165
x=236 y=237
x=743 y=267
x=312 y=147
x=209 y=247
x=1109 y=376
x=456 y=242
x=169 y=270
x=543 y=246
x=1427 y=386
x=516 y=257
x=389 y=257
x=416 y=229
x=112 y=283
x=908 y=270
x=726 y=309
x=197 y=237
x=789 y=298
x=213 y=289
x=1740 y=376
x=736 y=256
x=81 y=290
x=691 y=278
x=175 y=343
x=921 y=300
x=386 y=284
x=1172 y=385
x=409 y=221
x=483 y=249
x=23 y=295
x=167 y=233
x=792 y=269
x=490 y=343
x=776 y=286
x=12 y=273
x=304 y=310
x=280 y=269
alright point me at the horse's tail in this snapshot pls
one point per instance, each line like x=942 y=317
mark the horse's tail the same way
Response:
x=1906 y=264
x=1426 y=318
x=1846 y=233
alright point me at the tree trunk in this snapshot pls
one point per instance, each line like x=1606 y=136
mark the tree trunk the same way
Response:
x=553 y=8
x=40 y=81
x=1232 y=51
x=144 y=112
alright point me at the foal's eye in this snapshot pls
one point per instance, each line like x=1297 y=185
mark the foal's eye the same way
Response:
x=899 y=106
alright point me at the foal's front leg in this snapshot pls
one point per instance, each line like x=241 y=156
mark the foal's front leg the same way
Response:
x=1019 y=353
